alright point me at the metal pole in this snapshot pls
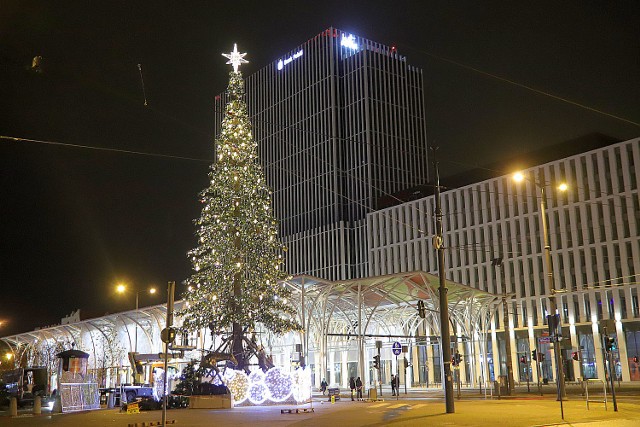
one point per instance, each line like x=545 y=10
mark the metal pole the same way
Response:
x=507 y=341
x=611 y=370
x=170 y=290
x=551 y=287
x=397 y=379
x=135 y=348
x=444 y=303
x=379 y=371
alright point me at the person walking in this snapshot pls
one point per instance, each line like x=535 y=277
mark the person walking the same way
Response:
x=359 y=388
x=323 y=386
x=398 y=385
x=393 y=385
x=352 y=386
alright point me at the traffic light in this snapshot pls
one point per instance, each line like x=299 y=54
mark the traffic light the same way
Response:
x=553 y=323
x=541 y=357
x=635 y=359
x=406 y=363
x=523 y=360
x=575 y=355
x=376 y=361
x=534 y=355
x=422 y=311
x=453 y=361
x=609 y=343
x=456 y=357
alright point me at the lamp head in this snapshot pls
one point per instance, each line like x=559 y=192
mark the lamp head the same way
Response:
x=518 y=177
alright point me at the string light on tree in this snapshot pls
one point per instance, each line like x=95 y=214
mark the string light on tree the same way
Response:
x=238 y=256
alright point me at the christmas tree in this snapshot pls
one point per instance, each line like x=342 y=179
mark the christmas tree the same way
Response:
x=238 y=264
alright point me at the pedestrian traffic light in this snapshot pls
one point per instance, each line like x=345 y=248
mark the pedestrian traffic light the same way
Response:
x=534 y=355
x=457 y=358
x=541 y=357
x=635 y=359
x=422 y=311
x=575 y=355
x=453 y=361
x=406 y=363
x=523 y=360
x=609 y=343
x=376 y=361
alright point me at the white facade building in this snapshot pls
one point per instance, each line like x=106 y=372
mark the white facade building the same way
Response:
x=595 y=245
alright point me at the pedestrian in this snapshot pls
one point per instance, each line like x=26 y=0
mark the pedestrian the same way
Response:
x=352 y=386
x=393 y=385
x=359 y=388
x=323 y=386
x=398 y=385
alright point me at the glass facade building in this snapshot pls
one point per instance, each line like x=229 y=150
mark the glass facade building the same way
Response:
x=339 y=121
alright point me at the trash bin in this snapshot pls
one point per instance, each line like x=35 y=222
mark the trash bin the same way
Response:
x=334 y=392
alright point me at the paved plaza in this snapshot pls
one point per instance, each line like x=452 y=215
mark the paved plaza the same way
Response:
x=416 y=408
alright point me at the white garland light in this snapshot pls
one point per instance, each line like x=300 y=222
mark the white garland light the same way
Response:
x=278 y=383
x=275 y=386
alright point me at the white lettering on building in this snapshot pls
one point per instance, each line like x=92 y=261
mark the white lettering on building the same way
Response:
x=282 y=62
x=349 y=41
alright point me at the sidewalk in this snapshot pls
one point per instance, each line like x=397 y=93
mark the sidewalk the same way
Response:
x=523 y=412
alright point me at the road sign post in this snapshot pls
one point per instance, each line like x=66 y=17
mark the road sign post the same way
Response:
x=397 y=349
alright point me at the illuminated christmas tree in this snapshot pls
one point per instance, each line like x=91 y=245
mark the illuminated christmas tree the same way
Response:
x=238 y=264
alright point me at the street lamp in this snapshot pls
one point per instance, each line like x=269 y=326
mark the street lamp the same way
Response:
x=121 y=288
x=550 y=283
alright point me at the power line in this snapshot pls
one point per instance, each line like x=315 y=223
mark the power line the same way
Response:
x=114 y=150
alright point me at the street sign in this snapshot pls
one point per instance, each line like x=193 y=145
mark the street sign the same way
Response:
x=168 y=335
x=397 y=348
x=544 y=340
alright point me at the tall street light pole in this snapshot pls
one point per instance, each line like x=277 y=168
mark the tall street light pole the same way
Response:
x=550 y=283
x=445 y=338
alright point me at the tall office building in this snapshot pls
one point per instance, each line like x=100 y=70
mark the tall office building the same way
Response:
x=594 y=239
x=339 y=122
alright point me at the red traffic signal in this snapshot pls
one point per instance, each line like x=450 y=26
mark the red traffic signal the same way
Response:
x=523 y=360
x=575 y=355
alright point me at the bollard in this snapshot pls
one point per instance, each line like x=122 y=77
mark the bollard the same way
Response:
x=111 y=400
x=37 y=405
x=333 y=399
x=13 y=407
x=57 y=405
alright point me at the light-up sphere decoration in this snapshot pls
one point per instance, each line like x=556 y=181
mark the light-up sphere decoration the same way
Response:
x=238 y=384
x=258 y=393
x=301 y=384
x=276 y=386
x=278 y=383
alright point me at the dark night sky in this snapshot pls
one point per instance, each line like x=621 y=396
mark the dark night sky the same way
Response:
x=74 y=221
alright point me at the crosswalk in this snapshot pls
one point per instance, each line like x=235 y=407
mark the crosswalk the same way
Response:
x=396 y=405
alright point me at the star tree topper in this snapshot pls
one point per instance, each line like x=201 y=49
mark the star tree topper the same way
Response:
x=235 y=58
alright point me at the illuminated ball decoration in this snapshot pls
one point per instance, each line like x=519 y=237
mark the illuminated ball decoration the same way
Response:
x=301 y=384
x=278 y=383
x=258 y=393
x=238 y=384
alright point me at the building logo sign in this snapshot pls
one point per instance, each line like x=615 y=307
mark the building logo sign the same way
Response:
x=349 y=42
x=282 y=62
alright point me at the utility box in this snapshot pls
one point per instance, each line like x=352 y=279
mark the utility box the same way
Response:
x=372 y=394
